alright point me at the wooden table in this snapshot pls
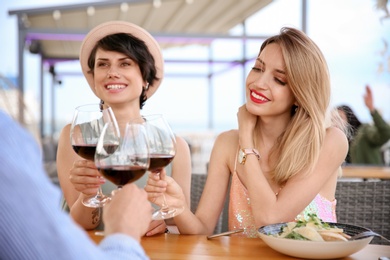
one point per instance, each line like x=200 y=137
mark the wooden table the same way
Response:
x=170 y=246
x=366 y=172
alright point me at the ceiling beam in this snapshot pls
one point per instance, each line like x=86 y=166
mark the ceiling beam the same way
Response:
x=77 y=35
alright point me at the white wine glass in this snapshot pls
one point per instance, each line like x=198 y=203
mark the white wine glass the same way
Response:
x=122 y=157
x=162 y=149
x=87 y=125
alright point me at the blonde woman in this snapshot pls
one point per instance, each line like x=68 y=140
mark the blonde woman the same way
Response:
x=285 y=156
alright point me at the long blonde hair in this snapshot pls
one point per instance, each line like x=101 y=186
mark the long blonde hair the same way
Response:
x=298 y=148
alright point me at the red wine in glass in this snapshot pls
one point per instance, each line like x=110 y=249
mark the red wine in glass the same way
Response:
x=159 y=161
x=86 y=151
x=129 y=160
x=162 y=146
x=87 y=123
x=121 y=175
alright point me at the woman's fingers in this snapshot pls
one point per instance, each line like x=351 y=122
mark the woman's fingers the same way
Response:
x=156 y=227
x=85 y=190
x=154 y=183
x=85 y=177
x=84 y=164
x=155 y=188
x=153 y=176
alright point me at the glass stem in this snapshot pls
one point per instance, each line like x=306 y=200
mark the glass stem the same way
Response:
x=99 y=193
x=164 y=205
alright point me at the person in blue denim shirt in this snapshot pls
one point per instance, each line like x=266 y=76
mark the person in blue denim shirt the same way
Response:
x=32 y=225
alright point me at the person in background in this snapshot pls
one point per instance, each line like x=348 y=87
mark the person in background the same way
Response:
x=365 y=140
x=285 y=157
x=123 y=65
x=32 y=226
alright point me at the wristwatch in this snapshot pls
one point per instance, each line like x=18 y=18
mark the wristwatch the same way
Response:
x=243 y=153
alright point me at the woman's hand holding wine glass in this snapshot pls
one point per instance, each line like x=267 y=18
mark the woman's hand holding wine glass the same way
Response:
x=163 y=189
x=87 y=124
x=162 y=146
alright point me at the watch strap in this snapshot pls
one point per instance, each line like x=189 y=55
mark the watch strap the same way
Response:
x=246 y=152
x=253 y=151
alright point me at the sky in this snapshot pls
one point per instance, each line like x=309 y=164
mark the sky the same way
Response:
x=350 y=33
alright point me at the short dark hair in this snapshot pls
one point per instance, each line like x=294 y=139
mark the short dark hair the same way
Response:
x=135 y=49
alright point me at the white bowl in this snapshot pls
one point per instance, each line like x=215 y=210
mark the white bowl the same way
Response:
x=312 y=249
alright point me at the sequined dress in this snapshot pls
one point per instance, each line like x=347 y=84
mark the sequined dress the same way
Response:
x=240 y=212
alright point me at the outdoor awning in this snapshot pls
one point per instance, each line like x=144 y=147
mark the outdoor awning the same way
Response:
x=56 y=32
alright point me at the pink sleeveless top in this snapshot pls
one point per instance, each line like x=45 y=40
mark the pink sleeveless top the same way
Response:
x=240 y=212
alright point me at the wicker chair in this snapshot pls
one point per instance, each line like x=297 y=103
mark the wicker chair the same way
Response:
x=366 y=204
x=197 y=184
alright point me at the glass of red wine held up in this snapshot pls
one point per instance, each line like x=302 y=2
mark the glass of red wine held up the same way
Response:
x=162 y=149
x=122 y=158
x=87 y=125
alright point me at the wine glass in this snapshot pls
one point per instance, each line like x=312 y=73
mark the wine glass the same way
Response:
x=88 y=122
x=122 y=156
x=162 y=149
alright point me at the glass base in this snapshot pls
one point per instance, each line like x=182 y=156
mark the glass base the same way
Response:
x=166 y=213
x=96 y=202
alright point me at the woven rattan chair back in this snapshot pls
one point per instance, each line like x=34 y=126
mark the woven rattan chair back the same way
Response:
x=366 y=204
x=197 y=184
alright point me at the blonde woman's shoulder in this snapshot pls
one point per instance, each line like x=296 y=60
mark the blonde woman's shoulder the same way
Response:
x=228 y=135
x=336 y=138
x=335 y=132
x=228 y=139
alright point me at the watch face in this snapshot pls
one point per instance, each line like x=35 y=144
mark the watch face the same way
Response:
x=241 y=156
